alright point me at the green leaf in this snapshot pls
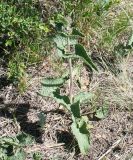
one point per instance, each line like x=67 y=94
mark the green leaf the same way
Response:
x=83 y=97
x=47 y=91
x=82 y=125
x=42 y=119
x=61 y=40
x=67 y=56
x=44 y=28
x=50 y=85
x=6 y=141
x=19 y=155
x=102 y=112
x=81 y=52
x=37 y=156
x=82 y=136
x=63 y=54
x=64 y=100
x=61 y=19
x=76 y=32
x=3 y=155
x=53 y=82
x=75 y=109
x=8 y=43
x=25 y=139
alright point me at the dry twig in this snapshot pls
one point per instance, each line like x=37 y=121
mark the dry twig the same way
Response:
x=110 y=149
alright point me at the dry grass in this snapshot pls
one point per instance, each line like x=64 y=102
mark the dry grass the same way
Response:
x=115 y=90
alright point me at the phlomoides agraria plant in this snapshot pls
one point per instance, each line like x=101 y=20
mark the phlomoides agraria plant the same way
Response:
x=51 y=86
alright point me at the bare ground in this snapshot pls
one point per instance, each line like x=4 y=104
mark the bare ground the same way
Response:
x=112 y=136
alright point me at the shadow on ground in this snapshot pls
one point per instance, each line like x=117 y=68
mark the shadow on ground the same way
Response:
x=4 y=82
x=20 y=113
x=68 y=139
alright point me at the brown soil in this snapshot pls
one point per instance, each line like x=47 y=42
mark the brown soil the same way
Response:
x=55 y=140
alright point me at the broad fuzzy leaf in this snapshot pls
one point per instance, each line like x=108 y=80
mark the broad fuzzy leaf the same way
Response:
x=3 y=155
x=5 y=141
x=47 y=91
x=63 y=54
x=83 y=97
x=53 y=82
x=82 y=136
x=102 y=112
x=83 y=121
x=64 y=100
x=81 y=52
x=75 y=109
x=54 y=93
x=25 y=139
x=19 y=155
x=61 y=41
x=50 y=85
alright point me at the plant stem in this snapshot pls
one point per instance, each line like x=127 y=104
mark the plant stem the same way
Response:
x=71 y=81
x=70 y=72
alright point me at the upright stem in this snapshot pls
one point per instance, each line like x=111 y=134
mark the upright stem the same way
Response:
x=70 y=72
x=71 y=81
